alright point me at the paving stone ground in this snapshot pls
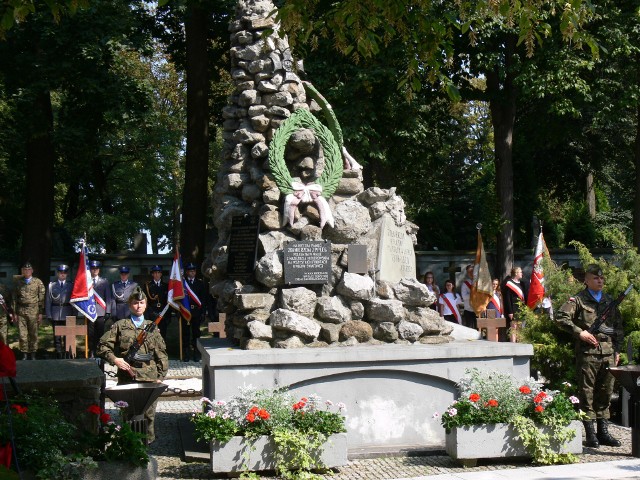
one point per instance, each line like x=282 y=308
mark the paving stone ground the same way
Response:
x=167 y=448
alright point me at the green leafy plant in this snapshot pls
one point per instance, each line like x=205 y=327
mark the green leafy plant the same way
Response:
x=42 y=436
x=495 y=397
x=115 y=442
x=298 y=428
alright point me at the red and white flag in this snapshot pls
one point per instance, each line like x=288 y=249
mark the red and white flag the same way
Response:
x=176 y=297
x=82 y=297
x=536 y=287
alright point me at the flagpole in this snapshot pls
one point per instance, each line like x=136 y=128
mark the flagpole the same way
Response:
x=86 y=339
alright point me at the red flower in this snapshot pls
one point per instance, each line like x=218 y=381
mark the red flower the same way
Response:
x=95 y=409
x=541 y=396
x=105 y=418
x=263 y=414
x=251 y=417
x=304 y=399
x=474 y=397
x=524 y=389
x=254 y=410
x=539 y=408
x=492 y=403
x=298 y=406
x=19 y=409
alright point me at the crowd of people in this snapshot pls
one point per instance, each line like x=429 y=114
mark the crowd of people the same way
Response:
x=30 y=301
x=456 y=307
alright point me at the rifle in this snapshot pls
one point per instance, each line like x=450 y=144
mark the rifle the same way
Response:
x=132 y=354
x=598 y=325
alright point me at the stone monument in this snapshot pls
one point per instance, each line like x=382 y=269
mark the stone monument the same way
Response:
x=285 y=163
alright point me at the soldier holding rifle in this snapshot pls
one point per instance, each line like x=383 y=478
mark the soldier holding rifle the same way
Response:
x=586 y=316
x=150 y=362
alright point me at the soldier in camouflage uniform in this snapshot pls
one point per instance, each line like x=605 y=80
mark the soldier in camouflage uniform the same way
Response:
x=5 y=314
x=114 y=346
x=28 y=306
x=595 y=353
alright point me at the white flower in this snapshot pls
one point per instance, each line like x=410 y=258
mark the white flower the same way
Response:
x=221 y=403
x=121 y=404
x=435 y=415
x=328 y=402
x=548 y=399
x=205 y=400
x=225 y=415
x=566 y=384
x=452 y=411
x=342 y=406
x=211 y=414
x=573 y=399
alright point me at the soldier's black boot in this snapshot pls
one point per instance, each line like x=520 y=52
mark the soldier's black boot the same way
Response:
x=591 y=439
x=186 y=354
x=25 y=356
x=604 y=437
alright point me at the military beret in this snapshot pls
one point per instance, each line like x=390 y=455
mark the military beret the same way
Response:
x=156 y=268
x=190 y=266
x=594 y=269
x=63 y=268
x=123 y=269
x=94 y=264
x=26 y=265
x=137 y=295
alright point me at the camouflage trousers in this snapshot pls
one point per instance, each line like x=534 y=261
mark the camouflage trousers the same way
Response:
x=149 y=415
x=595 y=383
x=28 y=330
x=4 y=330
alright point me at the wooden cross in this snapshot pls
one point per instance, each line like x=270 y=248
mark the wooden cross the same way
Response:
x=492 y=324
x=452 y=269
x=70 y=330
x=218 y=327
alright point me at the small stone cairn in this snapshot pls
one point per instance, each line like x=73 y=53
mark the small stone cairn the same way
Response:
x=263 y=312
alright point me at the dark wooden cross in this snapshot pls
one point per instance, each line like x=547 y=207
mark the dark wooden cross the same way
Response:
x=70 y=330
x=452 y=269
x=218 y=327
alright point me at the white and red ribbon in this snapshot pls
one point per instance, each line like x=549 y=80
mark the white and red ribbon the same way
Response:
x=306 y=194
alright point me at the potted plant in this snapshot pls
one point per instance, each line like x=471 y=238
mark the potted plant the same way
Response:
x=48 y=446
x=270 y=430
x=497 y=415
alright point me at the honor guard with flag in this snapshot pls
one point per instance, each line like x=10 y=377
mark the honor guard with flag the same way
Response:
x=102 y=295
x=535 y=296
x=57 y=305
x=28 y=305
x=196 y=292
x=157 y=291
x=121 y=290
x=514 y=293
x=149 y=364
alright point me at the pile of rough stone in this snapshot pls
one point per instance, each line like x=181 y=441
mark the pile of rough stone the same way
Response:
x=263 y=312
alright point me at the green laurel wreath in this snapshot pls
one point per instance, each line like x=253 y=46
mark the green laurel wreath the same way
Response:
x=332 y=172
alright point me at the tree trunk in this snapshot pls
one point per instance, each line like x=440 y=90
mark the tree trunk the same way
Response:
x=194 y=197
x=502 y=104
x=36 y=231
x=636 y=201
x=591 y=196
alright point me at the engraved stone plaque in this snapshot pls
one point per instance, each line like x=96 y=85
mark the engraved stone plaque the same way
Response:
x=242 y=246
x=396 y=257
x=307 y=262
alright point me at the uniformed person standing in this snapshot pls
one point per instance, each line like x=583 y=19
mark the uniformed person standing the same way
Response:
x=157 y=292
x=28 y=305
x=191 y=329
x=5 y=314
x=150 y=363
x=595 y=353
x=102 y=295
x=57 y=307
x=121 y=291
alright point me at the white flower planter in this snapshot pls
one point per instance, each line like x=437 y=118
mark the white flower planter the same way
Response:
x=239 y=454
x=468 y=444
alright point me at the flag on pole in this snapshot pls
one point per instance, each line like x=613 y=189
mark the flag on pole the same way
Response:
x=176 y=297
x=82 y=297
x=482 y=288
x=536 y=286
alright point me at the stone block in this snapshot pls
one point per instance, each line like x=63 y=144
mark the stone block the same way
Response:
x=300 y=300
x=381 y=310
x=361 y=331
x=254 y=301
x=294 y=323
x=355 y=286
